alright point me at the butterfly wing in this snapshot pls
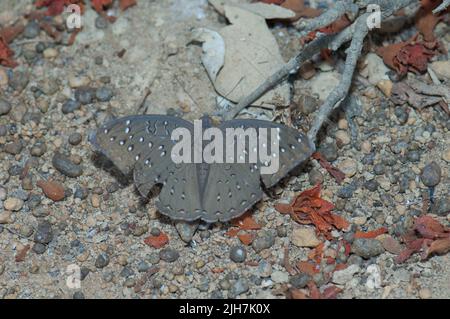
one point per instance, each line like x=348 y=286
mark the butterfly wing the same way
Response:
x=141 y=144
x=294 y=146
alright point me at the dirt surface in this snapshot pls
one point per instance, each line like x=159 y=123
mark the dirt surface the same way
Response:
x=101 y=223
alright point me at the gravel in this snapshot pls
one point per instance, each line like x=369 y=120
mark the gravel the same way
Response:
x=70 y=106
x=367 y=248
x=102 y=260
x=431 y=174
x=238 y=254
x=44 y=233
x=264 y=241
x=65 y=166
x=5 y=107
x=169 y=255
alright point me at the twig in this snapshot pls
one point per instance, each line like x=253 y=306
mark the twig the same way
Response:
x=444 y=5
x=293 y=65
x=340 y=92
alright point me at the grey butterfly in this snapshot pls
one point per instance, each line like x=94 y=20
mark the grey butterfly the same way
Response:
x=213 y=192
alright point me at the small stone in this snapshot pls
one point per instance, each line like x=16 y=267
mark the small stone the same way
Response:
x=304 y=237
x=101 y=22
x=374 y=278
x=315 y=177
x=379 y=169
x=341 y=277
x=442 y=69
x=13 y=148
x=263 y=241
x=446 y=155
x=95 y=201
x=329 y=151
x=103 y=94
x=425 y=293
x=366 y=147
x=342 y=137
x=300 y=281
x=70 y=106
x=5 y=217
x=81 y=193
x=50 y=53
x=431 y=174
x=102 y=260
x=53 y=190
x=386 y=87
x=4 y=79
x=239 y=287
x=238 y=254
x=348 y=167
x=5 y=107
x=155 y=231
x=308 y=104
x=264 y=269
x=140 y=230
x=169 y=255
x=84 y=95
x=143 y=266
x=346 y=191
x=279 y=277
x=32 y=30
x=186 y=230
x=38 y=149
x=401 y=114
x=391 y=245
x=78 y=81
x=367 y=248
x=441 y=206
x=13 y=204
x=44 y=233
x=282 y=231
x=78 y=295
x=75 y=138
x=39 y=248
x=371 y=185
x=19 y=80
x=65 y=166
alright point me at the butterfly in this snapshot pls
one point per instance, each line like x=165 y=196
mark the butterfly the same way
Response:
x=143 y=145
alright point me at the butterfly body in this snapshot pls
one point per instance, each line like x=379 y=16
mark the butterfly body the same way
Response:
x=210 y=191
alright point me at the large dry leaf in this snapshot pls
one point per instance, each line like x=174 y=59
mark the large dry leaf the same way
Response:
x=251 y=56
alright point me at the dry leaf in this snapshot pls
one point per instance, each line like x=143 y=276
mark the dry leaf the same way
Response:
x=338 y=175
x=371 y=234
x=157 y=241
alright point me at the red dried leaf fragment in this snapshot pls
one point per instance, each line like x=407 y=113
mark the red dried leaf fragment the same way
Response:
x=6 y=54
x=125 y=4
x=246 y=238
x=338 y=175
x=430 y=228
x=412 y=55
x=308 y=208
x=272 y=1
x=440 y=247
x=10 y=33
x=426 y=21
x=54 y=7
x=157 y=241
x=246 y=222
x=372 y=233
x=300 y=9
x=101 y=5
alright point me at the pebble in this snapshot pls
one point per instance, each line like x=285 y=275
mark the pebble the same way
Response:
x=81 y=193
x=32 y=30
x=341 y=277
x=343 y=137
x=5 y=217
x=13 y=148
x=446 y=155
x=263 y=241
x=5 y=107
x=143 y=266
x=39 y=248
x=425 y=293
x=442 y=69
x=95 y=201
x=70 y=106
x=304 y=237
x=50 y=53
x=264 y=269
x=374 y=277
x=78 y=295
x=348 y=167
x=238 y=254
x=315 y=177
x=4 y=79
x=239 y=287
x=101 y=23
x=329 y=151
x=346 y=191
x=169 y=255
x=103 y=94
x=102 y=260
x=53 y=190
x=441 y=206
x=186 y=230
x=367 y=248
x=279 y=277
x=75 y=138
x=84 y=95
x=13 y=204
x=78 y=81
x=308 y=104
x=391 y=245
x=19 y=80
x=44 y=233
x=431 y=174
x=371 y=185
x=366 y=147
x=65 y=166
x=300 y=281
x=38 y=149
